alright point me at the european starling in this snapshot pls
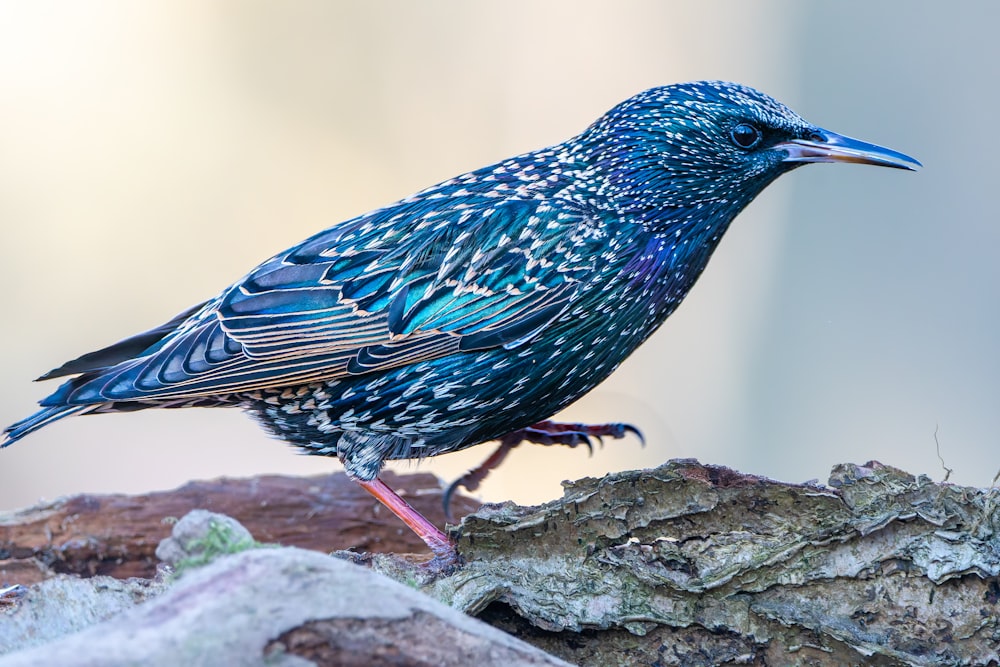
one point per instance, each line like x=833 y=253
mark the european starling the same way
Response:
x=478 y=307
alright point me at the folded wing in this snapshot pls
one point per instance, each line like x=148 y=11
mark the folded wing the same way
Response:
x=410 y=283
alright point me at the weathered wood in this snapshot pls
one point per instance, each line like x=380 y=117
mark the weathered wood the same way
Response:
x=117 y=535
x=878 y=568
x=689 y=564
x=283 y=608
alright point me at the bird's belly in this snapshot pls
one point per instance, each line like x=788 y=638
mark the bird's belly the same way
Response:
x=445 y=404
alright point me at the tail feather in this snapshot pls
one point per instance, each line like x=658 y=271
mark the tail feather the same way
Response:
x=18 y=430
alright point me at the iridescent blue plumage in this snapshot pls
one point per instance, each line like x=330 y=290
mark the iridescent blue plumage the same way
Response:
x=479 y=306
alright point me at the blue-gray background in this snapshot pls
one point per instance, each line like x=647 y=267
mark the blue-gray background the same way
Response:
x=151 y=153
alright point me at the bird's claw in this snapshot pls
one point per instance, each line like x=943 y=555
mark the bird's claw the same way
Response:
x=571 y=435
x=568 y=438
x=628 y=428
x=450 y=491
x=445 y=561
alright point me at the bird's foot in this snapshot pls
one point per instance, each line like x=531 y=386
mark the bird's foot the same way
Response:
x=571 y=435
x=443 y=564
x=542 y=433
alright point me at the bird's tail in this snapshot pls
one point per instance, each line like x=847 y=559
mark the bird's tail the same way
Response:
x=18 y=430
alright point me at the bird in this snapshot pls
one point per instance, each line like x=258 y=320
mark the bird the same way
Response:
x=477 y=308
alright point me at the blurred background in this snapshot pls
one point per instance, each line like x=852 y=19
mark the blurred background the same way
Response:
x=151 y=153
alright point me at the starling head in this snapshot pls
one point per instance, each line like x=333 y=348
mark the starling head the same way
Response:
x=704 y=150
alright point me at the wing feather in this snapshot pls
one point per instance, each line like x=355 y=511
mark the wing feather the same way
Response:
x=399 y=286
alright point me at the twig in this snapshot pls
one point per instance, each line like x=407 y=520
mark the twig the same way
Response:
x=947 y=470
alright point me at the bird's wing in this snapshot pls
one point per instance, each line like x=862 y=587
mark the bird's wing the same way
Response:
x=398 y=286
x=123 y=350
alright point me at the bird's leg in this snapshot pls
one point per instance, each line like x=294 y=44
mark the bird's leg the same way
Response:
x=470 y=481
x=443 y=548
x=542 y=433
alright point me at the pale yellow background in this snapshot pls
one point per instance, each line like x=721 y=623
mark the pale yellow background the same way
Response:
x=153 y=152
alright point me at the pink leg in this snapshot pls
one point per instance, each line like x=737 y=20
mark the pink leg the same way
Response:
x=443 y=548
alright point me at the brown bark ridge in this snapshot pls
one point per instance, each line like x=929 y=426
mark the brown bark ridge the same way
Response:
x=117 y=535
x=685 y=564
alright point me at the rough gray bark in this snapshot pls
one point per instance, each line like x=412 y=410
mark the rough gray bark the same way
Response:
x=709 y=566
x=285 y=608
x=695 y=565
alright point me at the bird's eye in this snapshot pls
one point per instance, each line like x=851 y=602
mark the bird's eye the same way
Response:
x=745 y=135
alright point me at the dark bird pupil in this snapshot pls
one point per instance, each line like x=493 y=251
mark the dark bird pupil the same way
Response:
x=745 y=135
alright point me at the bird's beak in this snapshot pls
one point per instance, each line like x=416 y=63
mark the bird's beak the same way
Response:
x=826 y=146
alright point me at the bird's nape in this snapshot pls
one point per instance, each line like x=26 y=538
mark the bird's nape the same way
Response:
x=475 y=309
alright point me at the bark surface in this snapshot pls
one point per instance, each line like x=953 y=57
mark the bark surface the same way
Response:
x=684 y=564
x=117 y=535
